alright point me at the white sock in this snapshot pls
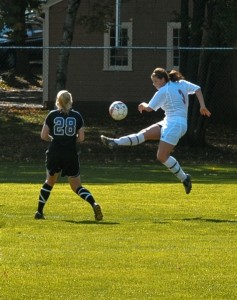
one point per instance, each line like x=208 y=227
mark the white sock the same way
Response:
x=174 y=167
x=130 y=140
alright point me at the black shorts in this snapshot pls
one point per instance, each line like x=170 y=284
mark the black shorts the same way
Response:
x=66 y=162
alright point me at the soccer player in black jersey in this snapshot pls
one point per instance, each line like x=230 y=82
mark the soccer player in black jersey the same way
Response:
x=64 y=128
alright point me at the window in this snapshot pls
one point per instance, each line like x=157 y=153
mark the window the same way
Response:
x=118 y=59
x=173 y=41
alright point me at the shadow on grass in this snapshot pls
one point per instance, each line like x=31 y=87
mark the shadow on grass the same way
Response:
x=87 y=222
x=196 y=219
x=121 y=173
x=209 y=220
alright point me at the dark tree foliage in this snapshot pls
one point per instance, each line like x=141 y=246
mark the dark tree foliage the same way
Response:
x=100 y=14
x=213 y=24
x=12 y=14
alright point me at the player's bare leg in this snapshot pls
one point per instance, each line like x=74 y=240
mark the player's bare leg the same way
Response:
x=151 y=133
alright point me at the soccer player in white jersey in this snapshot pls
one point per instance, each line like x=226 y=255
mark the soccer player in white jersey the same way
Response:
x=171 y=96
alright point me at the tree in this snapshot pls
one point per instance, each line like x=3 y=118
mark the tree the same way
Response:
x=68 y=29
x=221 y=79
x=195 y=132
x=101 y=14
x=213 y=25
x=13 y=16
x=184 y=33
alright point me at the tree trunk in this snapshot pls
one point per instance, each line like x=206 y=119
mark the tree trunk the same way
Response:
x=184 y=34
x=22 y=60
x=196 y=38
x=196 y=131
x=198 y=123
x=13 y=14
x=64 y=53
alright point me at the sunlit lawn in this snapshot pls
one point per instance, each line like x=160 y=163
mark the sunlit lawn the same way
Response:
x=155 y=242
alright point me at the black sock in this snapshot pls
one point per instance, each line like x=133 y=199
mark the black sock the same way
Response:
x=43 y=196
x=85 y=195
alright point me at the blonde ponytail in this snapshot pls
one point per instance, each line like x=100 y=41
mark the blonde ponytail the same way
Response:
x=64 y=101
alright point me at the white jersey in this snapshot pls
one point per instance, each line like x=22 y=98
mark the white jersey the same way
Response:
x=173 y=99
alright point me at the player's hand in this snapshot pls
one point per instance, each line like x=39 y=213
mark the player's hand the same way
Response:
x=205 y=112
x=143 y=106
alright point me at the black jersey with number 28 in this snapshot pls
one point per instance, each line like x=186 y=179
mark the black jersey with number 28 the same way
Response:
x=63 y=128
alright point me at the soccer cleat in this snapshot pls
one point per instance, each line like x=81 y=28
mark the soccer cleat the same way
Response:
x=187 y=184
x=98 y=212
x=110 y=143
x=39 y=216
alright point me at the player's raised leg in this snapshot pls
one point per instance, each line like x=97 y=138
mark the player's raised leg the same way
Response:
x=128 y=140
x=149 y=133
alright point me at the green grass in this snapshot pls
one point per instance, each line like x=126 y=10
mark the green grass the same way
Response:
x=155 y=242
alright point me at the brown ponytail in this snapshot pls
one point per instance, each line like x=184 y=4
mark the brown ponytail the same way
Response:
x=175 y=75
x=160 y=73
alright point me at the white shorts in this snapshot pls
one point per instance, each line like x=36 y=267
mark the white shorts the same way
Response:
x=172 y=131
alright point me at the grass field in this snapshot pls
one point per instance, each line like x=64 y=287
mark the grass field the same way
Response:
x=155 y=242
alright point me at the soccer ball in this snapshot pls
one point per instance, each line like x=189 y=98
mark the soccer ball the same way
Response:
x=118 y=110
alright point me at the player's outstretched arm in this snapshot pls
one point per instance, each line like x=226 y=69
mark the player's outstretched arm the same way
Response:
x=203 y=110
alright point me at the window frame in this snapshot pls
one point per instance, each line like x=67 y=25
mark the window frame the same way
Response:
x=170 y=45
x=107 y=65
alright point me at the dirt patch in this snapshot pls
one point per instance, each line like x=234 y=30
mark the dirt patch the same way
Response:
x=32 y=80
x=26 y=98
x=22 y=89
